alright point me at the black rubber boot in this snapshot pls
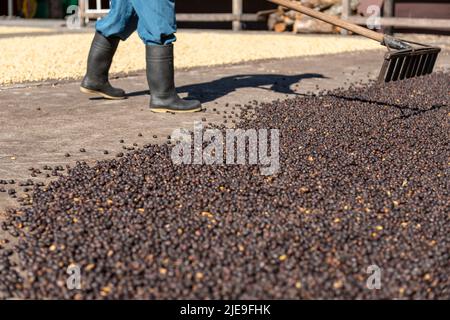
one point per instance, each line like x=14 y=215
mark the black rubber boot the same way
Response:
x=99 y=61
x=160 y=76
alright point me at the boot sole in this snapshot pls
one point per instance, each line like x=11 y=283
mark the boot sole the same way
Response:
x=166 y=110
x=99 y=93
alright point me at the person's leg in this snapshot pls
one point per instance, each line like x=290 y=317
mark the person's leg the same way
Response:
x=157 y=27
x=119 y=24
x=157 y=21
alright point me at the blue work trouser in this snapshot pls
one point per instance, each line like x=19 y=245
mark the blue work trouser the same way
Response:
x=153 y=19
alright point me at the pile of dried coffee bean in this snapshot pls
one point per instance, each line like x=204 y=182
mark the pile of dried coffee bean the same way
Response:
x=363 y=184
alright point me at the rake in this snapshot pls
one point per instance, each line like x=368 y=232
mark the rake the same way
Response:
x=404 y=59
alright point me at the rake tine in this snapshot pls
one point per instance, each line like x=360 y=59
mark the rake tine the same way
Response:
x=381 y=76
x=397 y=69
x=405 y=67
x=390 y=70
x=428 y=68
x=409 y=74
x=431 y=63
x=423 y=63
x=416 y=65
x=413 y=67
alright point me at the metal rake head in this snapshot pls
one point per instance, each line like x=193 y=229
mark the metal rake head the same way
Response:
x=408 y=63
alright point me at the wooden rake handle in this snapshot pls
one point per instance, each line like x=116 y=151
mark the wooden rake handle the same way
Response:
x=330 y=19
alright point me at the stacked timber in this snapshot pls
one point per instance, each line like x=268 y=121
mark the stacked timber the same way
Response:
x=284 y=19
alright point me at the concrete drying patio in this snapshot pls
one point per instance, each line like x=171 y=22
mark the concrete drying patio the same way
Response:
x=41 y=123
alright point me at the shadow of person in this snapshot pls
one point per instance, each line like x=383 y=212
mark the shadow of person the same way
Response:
x=210 y=91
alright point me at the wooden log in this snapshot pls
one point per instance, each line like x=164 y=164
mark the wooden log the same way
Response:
x=310 y=25
x=320 y=4
x=280 y=27
x=285 y=19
